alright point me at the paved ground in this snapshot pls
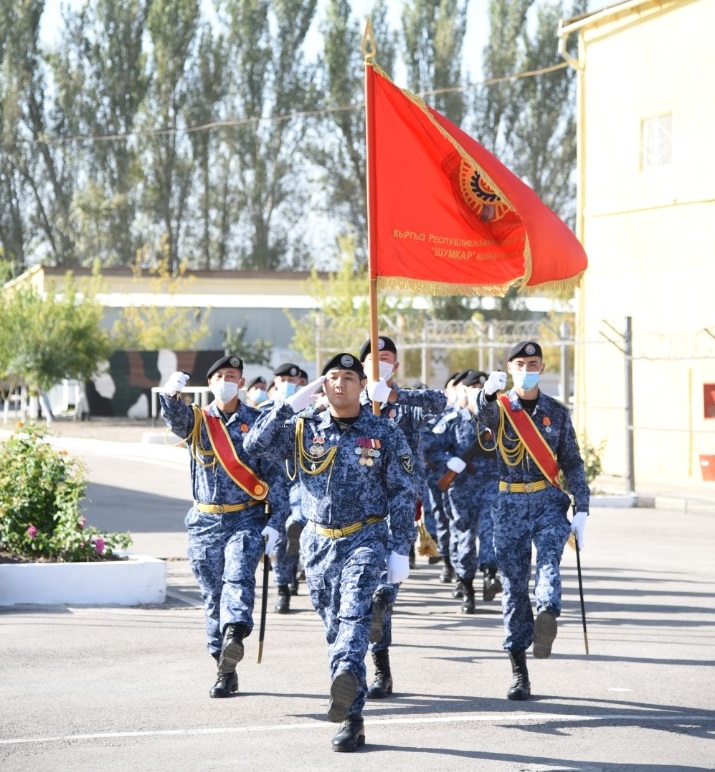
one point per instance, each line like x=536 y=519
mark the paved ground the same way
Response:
x=84 y=688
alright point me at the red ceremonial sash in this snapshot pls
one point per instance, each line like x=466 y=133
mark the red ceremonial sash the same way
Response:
x=533 y=440
x=225 y=451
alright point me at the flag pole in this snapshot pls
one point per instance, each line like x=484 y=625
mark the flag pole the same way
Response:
x=368 y=51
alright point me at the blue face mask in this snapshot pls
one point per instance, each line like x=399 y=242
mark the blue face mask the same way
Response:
x=287 y=390
x=524 y=380
x=260 y=396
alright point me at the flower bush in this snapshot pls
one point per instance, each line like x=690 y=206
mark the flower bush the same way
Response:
x=41 y=489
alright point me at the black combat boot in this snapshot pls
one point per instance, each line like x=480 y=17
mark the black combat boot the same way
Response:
x=225 y=682
x=382 y=685
x=343 y=691
x=544 y=634
x=492 y=583
x=413 y=561
x=468 y=600
x=232 y=650
x=350 y=736
x=447 y=575
x=458 y=591
x=379 y=607
x=520 y=686
x=283 y=600
x=294 y=582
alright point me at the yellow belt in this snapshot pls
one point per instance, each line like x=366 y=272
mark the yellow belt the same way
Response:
x=539 y=485
x=219 y=509
x=346 y=530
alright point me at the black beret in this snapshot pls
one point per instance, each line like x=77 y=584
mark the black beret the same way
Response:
x=302 y=374
x=475 y=378
x=256 y=380
x=525 y=348
x=344 y=362
x=228 y=361
x=451 y=378
x=287 y=368
x=383 y=343
x=459 y=377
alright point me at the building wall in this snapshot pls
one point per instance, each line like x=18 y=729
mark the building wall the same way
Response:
x=649 y=235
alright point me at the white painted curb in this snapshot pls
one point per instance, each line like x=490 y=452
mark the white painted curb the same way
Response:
x=140 y=579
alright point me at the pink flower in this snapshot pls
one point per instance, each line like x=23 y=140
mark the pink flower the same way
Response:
x=99 y=546
x=32 y=531
x=82 y=523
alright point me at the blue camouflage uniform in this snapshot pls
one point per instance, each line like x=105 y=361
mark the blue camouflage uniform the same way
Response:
x=370 y=476
x=225 y=549
x=413 y=409
x=470 y=497
x=284 y=562
x=537 y=516
x=434 y=448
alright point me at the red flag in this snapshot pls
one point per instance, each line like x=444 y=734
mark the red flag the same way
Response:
x=446 y=216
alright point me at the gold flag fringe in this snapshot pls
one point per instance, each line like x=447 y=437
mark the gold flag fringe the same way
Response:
x=441 y=288
x=426 y=545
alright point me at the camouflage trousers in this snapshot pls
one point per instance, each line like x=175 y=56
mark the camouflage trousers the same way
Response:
x=224 y=552
x=342 y=575
x=521 y=519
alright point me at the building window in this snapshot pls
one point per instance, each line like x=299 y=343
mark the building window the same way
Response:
x=656 y=141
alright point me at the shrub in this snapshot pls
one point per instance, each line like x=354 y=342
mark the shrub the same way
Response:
x=40 y=493
x=591 y=455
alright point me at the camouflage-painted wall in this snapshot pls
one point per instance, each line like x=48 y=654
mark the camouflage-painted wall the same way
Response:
x=123 y=389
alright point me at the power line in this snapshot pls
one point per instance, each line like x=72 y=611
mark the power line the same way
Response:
x=233 y=122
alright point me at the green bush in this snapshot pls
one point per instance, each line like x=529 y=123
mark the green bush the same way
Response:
x=591 y=455
x=40 y=493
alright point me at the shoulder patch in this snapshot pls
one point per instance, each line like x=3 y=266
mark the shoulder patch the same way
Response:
x=407 y=463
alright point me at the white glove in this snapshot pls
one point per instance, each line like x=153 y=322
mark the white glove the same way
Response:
x=175 y=383
x=578 y=525
x=378 y=391
x=455 y=464
x=398 y=568
x=495 y=382
x=271 y=537
x=301 y=399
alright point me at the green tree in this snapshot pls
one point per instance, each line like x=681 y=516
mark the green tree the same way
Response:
x=153 y=327
x=213 y=198
x=338 y=148
x=433 y=35
x=173 y=27
x=47 y=338
x=100 y=75
x=41 y=179
x=270 y=78
x=258 y=352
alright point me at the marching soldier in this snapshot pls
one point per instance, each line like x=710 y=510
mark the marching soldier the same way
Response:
x=410 y=409
x=227 y=527
x=535 y=439
x=354 y=470
x=287 y=378
x=471 y=495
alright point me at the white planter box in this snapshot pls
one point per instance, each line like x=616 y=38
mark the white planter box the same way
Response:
x=140 y=579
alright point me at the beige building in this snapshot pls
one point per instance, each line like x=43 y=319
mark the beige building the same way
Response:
x=646 y=216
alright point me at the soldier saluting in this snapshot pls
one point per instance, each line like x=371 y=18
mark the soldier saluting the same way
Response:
x=535 y=439
x=355 y=472
x=226 y=524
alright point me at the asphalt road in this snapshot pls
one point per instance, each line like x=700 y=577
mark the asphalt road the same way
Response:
x=87 y=688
